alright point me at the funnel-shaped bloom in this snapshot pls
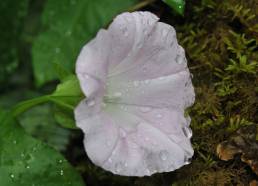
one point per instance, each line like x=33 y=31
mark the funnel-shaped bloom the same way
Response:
x=137 y=84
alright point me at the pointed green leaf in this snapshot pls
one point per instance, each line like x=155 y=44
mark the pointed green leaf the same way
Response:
x=177 y=5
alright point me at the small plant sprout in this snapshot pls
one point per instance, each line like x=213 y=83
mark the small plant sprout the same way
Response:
x=137 y=83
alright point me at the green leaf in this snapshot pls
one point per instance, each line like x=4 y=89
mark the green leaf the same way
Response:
x=12 y=16
x=27 y=161
x=69 y=24
x=177 y=5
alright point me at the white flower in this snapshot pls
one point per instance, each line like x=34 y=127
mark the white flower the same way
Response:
x=137 y=84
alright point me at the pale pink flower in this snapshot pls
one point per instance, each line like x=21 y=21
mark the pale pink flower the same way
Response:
x=137 y=84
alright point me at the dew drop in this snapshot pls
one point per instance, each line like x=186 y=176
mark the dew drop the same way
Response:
x=147 y=81
x=117 y=94
x=163 y=155
x=12 y=176
x=179 y=59
x=159 y=116
x=110 y=160
x=145 y=109
x=91 y=103
x=61 y=172
x=187 y=132
x=136 y=83
x=122 y=133
x=108 y=142
x=139 y=45
x=164 y=32
x=27 y=167
x=187 y=160
x=60 y=161
x=57 y=50
x=119 y=167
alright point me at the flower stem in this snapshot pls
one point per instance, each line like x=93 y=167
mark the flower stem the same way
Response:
x=25 y=105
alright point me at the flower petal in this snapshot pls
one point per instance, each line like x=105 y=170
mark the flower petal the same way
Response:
x=175 y=91
x=92 y=64
x=128 y=32
x=136 y=141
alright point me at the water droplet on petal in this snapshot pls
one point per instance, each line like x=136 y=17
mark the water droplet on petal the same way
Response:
x=179 y=59
x=136 y=83
x=159 y=115
x=147 y=81
x=145 y=109
x=119 y=167
x=122 y=133
x=164 y=32
x=91 y=103
x=117 y=94
x=108 y=142
x=187 y=160
x=147 y=139
x=163 y=155
x=187 y=132
x=110 y=160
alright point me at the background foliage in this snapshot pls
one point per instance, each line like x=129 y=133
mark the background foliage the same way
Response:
x=39 y=44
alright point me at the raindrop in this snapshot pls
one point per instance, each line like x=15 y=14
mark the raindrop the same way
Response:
x=122 y=133
x=110 y=160
x=124 y=30
x=187 y=132
x=179 y=59
x=57 y=50
x=180 y=7
x=12 y=176
x=68 y=32
x=164 y=32
x=27 y=167
x=159 y=115
x=103 y=105
x=14 y=142
x=163 y=155
x=145 y=109
x=61 y=172
x=147 y=81
x=187 y=160
x=139 y=45
x=117 y=94
x=60 y=161
x=108 y=142
x=136 y=83
x=119 y=167
x=91 y=103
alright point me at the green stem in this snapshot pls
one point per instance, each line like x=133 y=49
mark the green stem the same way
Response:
x=25 y=105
